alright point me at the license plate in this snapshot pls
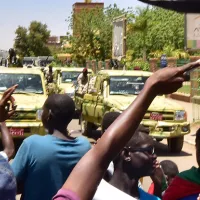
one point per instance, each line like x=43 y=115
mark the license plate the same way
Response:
x=16 y=131
x=156 y=116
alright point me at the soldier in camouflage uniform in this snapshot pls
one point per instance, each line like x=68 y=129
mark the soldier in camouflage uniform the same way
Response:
x=89 y=87
x=51 y=86
x=82 y=80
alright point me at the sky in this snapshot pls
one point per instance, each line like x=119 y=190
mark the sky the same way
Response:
x=52 y=12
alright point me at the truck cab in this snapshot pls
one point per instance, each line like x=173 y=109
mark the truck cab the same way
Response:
x=30 y=96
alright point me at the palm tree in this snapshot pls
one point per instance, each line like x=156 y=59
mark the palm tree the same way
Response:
x=141 y=25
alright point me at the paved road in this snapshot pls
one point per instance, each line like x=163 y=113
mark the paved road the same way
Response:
x=184 y=160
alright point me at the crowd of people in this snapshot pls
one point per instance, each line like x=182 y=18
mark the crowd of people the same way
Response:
x=60 y=167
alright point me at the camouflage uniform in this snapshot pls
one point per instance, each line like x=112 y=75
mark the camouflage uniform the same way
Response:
x=82 y=82
x=89 y=87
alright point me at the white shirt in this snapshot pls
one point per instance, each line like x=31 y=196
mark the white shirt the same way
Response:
x=106 y=191
x=4 y=155
x=111 y=168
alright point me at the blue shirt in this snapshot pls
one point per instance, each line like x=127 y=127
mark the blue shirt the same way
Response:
x=145 y=196
x=191 y=197
x=43 y=163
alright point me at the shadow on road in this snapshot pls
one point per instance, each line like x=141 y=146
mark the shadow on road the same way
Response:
x=162 y=150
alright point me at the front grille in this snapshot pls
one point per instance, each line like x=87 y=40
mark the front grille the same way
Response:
x=27 y=130
x=23 y=115
x=14 y=131
x=166 y=129
x=166 y=116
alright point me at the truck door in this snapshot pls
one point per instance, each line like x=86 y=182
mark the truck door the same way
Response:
x=89 y=102
x=99 y=107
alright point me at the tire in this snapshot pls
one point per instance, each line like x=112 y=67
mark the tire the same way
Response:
x=175 y=145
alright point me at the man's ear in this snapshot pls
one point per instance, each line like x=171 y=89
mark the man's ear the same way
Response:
x=49 y=115
x=126 y=155
x=46 y=116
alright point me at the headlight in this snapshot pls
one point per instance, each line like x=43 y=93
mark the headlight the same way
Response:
x=39 y=115
x=180 y=115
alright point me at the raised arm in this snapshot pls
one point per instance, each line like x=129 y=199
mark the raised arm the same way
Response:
x=7 y=104
x=7 y=141
x=7 y=108
x=87 y=174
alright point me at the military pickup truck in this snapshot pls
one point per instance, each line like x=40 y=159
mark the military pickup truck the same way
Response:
x=29 y=96
x=114 y=90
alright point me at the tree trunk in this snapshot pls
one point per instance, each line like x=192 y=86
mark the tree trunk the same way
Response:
x=144 y=54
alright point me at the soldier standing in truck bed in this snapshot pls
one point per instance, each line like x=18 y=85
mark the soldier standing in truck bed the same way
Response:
x=82 y=79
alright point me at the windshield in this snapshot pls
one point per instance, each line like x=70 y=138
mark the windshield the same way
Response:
x=68 y=77
x=127 y=84
x=27 y=83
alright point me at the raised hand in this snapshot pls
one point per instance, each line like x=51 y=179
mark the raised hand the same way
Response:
x=5 y=110
x=170 y=79
x=159 y=180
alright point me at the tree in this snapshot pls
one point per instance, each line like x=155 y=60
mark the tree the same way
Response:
x=155 y=29
x=32 y=41
x=141 y=26
x=149 y=29
x=92 y=38
x=21 y=44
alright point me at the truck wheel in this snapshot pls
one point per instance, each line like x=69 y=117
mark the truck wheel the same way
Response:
x=86 y=127
x=175 y=145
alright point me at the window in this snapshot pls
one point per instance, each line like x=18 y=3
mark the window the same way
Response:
x=127 y=84
x=27 y=83
x=68 y=77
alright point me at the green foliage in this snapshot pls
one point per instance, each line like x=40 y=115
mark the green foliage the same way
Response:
x=32 y=41
x=92 y=37
x=54 y=49
x=170 y=52
x=151 y=32
x=143 y=65
x=195 y=53
x=57 y=62
x=185 y=89
x=155 y=30
x=21 y=38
